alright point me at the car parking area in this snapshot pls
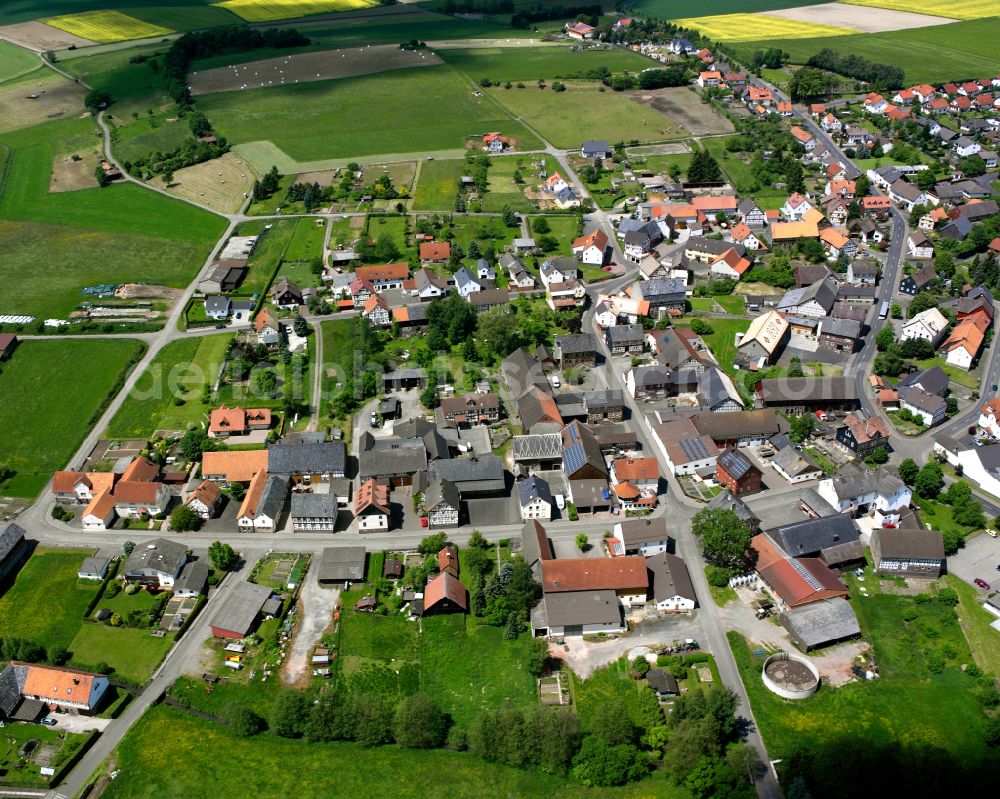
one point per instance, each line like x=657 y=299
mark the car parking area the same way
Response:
x=978 y=559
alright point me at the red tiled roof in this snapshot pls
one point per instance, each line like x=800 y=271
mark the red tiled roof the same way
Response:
x=435 y=251
x=396 y=271
x=445 y=586
x=592 y=574
x=807 y=580
x=237 y=467
x=636 y=469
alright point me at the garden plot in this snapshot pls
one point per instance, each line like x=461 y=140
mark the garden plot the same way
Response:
x=308 y=67
x=861 y=17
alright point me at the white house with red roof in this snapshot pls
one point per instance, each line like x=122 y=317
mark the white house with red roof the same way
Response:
x=730 y=264
x=803 y=137
x=742 y=234
x=875 y=103
x=495 y=143
x=591 y=248
x=989 y=418
x=795 y=207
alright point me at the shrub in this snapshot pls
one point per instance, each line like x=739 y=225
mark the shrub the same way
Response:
x=717 y=576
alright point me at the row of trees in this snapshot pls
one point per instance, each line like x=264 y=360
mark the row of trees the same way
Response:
x=880 y=77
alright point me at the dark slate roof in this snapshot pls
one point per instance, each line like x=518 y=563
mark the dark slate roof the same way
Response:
x=670 y=577
x=534 y=488
x=240 y=609
x=821 y=622
x=521 y=371
x=465 y=472
x=807 y=538
x=581 y=448
x=160 y=554
x=442 y=492
x=661 y=287
x=933 y=380
x=403 y=460
x=314 y=506
x=193 y=577
x=923 y=400
x=271 y=501
x=727 y=500
x=625 y=333
x=329 y=456
x=911 y=544
x=807 y=389
x=604 y=398
x=342 y=563
x=568 y=608
x=10 y=536
x=722 y=426
x=640 y=531
x=661 y=681
x=535 y=543
x=714 y=387
x=841 y=328
x=576 y=342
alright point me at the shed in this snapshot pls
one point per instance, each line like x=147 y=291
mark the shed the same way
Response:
x=342 y=565
x=239 y=613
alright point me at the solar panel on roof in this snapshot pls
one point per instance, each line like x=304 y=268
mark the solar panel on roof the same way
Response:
x=574 y=458
x=693 y=448
x=736 y=464
x=805 y=574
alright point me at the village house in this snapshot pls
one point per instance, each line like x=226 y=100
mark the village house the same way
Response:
x=908 y=552
x=928 y=325
x=371 y=506
x=205 y=500
x=225 y=422
x=267 y=328
x=535 y=499
x=591 y=248
x=442 y=504
x=469 y=410
x=155 y=564
x=862 y=435
x=737 y=473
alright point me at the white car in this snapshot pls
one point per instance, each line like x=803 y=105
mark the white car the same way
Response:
x=556 y=382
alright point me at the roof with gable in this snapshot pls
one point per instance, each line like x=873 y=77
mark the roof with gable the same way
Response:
x=736 y=464
x=372 y=496
x=534 y=488
x=238 y=466
x=535 y=543
x=580 y=448
x=797 y=581
x=670 y=577
x=767 y=330
x=442 y=587
x=594 y=574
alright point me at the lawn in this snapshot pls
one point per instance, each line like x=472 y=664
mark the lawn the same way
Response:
x=47 y=601
x=503 y=191
x=908 y=706
x=484 y=230
x=741 y=177
x=132 y=652
x=408 y=110
x=178 y=372
x=392 y=226
x=307 y=241
x=43 y=428
x=961 y=376
x=135 y=139
x=953 y=52
x=722 y=342
x=268 y=766
x=121 y=233
x=584 y=112
x=13 y=770
x=437 y=184
x=467 y=666
x=136 y=87
x=609 y=685
x=563 y=229
x=275 y=237
x=501 y=64
x=976 y=620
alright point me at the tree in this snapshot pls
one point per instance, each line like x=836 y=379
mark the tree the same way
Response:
x=599 y=764
x=886 y=338
x=879 y=456
x=928 y=481
x=432 y=544
x=429 y=397
x=510 y=217
x=242 y=719
x=540 y=225
x=385 y=248
x=290 y=713
x=419 y=723
x=724 y=538
x=802 y=427
x=701 y=327
x=97 y=99
x=640 y=665
x=808 y=83
x=199 y=124
x=704 y=168
x=127 y=548
x=183 y=518
x=795 y=367
x=538 y=656
x=223 y=557
x=300 y=325
x=581 y=541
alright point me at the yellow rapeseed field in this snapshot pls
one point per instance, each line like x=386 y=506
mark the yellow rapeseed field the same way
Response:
x=105 y=26
x=956 y=9
x=264 y=10
x=752 y=27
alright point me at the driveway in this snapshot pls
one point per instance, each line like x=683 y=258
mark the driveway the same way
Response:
x=584 y=658
x=315 y=610
x=67 y=722
x=978 y=558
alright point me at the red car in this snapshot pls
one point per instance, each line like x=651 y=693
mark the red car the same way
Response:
x=982 y=584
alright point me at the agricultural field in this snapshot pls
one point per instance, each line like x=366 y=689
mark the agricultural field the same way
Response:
x=961 y=50
x=159 y=12
x=141 y=236
x=501 y=64
x=266 y=10
x=168 y=394
x=46 y=601
x=503 y=191
x=136 y=87
x=263 y=263
x=953 y=9
x=307 y=241
x=437 y=184
x=361 y=116
x=270 y=766
x=49 y=429
x=862 y=20
x=132 y=652
x=745 y=27
x=222 y=184
x=55 y=98
x=584 y=112
x=135 y=139
x=15 y=62
x=309 y=67
x=684 y=107
x=106 y=26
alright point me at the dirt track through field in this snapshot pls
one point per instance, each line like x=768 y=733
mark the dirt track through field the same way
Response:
x=306 y=67
x=864 y=19
x=685 y=108
x=316 y=605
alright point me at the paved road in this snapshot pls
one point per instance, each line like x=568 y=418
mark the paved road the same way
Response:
x=171 y=668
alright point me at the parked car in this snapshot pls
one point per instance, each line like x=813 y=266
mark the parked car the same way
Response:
x=982 y=584
x=991 y=533
x=48 y=721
